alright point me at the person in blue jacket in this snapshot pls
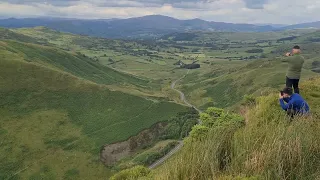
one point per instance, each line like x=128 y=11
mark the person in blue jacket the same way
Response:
x=292 y=103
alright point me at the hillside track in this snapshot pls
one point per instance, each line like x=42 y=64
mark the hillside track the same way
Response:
x=180 y=144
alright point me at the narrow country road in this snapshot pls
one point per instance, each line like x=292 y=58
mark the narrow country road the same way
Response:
x=182 y=96
x=180 y=145
x=164 y=158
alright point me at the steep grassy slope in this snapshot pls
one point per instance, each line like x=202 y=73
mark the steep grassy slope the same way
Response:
x=53 y=124
x=263 y=145
x=75 y=64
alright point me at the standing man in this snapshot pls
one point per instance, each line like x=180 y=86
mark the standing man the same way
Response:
x=295 y=61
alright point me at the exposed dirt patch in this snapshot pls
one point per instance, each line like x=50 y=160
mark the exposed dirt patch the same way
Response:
x=112 y=153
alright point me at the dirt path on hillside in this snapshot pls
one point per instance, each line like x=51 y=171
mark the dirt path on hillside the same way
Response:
x=180 y=145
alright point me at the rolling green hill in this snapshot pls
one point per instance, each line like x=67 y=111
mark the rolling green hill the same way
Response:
x=95 y=58
x=56 y=113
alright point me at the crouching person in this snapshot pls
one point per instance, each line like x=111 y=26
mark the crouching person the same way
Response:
x=292 y=103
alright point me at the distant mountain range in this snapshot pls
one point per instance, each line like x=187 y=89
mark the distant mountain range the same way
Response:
x=142 y=27
x=304 y=25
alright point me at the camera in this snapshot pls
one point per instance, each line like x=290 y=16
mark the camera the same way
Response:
x=281 y=92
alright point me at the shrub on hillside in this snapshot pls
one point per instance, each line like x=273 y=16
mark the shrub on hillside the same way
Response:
x=147 y=158
x=133 y=173
x=151 y=157
x=218 y=117
x=215 y=112
x=199 y=132
x=249 y=100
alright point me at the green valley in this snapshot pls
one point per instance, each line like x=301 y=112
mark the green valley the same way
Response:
x=69 y=102
x=57 y=112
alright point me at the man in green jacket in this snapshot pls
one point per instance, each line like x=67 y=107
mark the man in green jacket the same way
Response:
x=295 y=61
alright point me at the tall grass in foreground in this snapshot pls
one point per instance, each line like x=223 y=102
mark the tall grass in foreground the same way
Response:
x=269 y=146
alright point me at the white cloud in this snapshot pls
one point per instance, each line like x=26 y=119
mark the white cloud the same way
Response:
x=238 y=11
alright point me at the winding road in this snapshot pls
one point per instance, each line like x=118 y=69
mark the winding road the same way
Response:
x=180 y=144
x=182 y=96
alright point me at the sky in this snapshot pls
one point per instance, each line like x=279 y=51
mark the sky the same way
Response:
x=235 y=11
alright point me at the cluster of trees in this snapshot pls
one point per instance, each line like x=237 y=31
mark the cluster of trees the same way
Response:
x=214 y=117
x=185 y=36
x=180 y=126
x=287 y=39
x=255 y=51
x=147 y=159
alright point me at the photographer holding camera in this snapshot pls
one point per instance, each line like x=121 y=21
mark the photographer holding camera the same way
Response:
x=293 y=103
x=295 y=61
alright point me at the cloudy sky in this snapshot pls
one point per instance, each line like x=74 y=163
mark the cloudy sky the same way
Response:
x=237 y=11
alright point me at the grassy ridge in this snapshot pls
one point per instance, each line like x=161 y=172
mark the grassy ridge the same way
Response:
x=268 y=147
x=8 y=34
x=53 y=123
x=75 y=64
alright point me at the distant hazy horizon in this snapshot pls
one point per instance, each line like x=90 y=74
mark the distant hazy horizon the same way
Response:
x=232 y=11
x=102 y=19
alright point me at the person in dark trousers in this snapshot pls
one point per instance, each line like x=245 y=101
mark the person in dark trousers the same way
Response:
x=293 y=103
x=295 y=61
